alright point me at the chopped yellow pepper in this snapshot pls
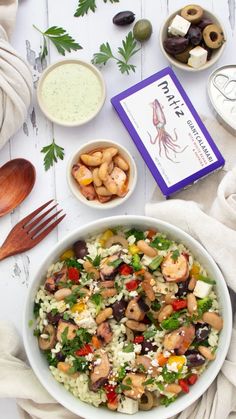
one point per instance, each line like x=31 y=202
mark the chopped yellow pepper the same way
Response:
x=105 y=236
x=68 y=254
x=179 y=360
x=133 y=249
x=195 y=270
x=78 y=308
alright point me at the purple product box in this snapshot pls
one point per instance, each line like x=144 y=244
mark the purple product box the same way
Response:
x=168 y=131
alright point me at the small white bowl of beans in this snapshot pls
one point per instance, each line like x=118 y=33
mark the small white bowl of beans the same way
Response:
x=102 y=174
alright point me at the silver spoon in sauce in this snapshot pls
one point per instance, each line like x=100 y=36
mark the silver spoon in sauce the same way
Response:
x=17 y=178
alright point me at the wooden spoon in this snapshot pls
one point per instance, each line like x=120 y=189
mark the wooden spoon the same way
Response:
x=17 y=178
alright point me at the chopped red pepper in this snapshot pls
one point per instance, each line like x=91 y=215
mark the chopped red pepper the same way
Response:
x=179 y=304
x=138 y=339
x=132 y=285
x=85 y=350
x=184 y=385
x=151 y=234
x=125 y=270
x=110 y=393
x=192 y=379
x=73 y=274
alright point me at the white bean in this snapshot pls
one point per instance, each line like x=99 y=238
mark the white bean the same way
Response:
x=103 y=171
x=121 y=163
x=213 y=320
x=62 y=294
x=206 y=352
x=96 y=179
x=103 y=315
x=146 y=249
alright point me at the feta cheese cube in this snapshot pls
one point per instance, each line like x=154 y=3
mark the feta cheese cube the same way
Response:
x=198 y=57
x=127 y=405
x=202 y=289
x=179 y=26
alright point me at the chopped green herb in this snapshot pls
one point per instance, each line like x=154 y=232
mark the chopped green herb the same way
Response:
x=160 y=386
x=121 y=387
x=115 y=263
x=72 y=298
x=136 y=262
x=150 y=316
x=30 y=323
x=138 y=234
x=97 y=300
x=149 y=334
x=70 y=346
x=161 y=243
x=54 y=311
x=122 y=372
x=64 y=335
x=166 y=401
x=72 y=263
x=80 y=364
x=204 y=305
x=155 y=306
x=128 y=381
x=206 y=279
x=37 y=332
x=52 y=361
x=175 y=255
x=66 y=316
x=149 y=381
x=129 y=347
x=36 y=309
x=155 y=263
x=141 y=368
x=171 y=323
x=169 y=376
x=96 y=261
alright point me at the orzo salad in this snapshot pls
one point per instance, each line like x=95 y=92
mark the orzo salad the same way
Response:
x=128 y=319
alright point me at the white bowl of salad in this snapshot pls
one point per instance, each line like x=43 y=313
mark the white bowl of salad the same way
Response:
x=127 y=315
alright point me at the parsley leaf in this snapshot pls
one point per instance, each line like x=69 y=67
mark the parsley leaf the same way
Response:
x=166 y=401
x=149 y=381
x=97 y=300
x=125 y=52
x=129 y=347
x=138 y=234
x=161 y=243
x=52 y=153
x=175 y=254
x=74 y=264
x=61 y=40
x=115 y=263
x=79 y=364
x=84 y=6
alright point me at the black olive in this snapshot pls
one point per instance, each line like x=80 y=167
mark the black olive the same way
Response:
x=147 y=346
x=60 y=356
x=124 y=18
x=175 y=45
x=194 y=358
x=80 y=249
x=194 y=35
x=182 y=288
x=202 y=331
x=119 y=308
x=53 y=318
x=205 y=21
x=143 y=306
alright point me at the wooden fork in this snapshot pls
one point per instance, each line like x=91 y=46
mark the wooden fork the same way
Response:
x=29 y=231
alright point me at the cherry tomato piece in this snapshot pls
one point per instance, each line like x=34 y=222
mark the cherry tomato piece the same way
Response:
x=179 y=304
x=125 y=270
x=73 y=274
x=184 y=385
x=132 y=285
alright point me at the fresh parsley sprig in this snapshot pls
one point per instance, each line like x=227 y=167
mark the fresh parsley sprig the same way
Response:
x=58 y=36
x=52 y=152
x=84 y=6
x=127 y=50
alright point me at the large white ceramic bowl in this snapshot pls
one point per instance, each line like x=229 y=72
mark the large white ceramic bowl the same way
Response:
x=38 y=361
x=216 y=54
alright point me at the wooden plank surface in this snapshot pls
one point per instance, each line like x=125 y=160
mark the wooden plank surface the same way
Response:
x=92 y=30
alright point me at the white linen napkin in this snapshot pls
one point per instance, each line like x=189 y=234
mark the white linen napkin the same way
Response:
x=16 y=83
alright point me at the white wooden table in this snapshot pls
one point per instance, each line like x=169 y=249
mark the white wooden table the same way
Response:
x=90 y=31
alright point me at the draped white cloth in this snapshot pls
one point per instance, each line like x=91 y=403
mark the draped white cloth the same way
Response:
x=15 y=77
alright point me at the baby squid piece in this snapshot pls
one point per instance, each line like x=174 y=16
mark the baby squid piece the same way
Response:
x=213 y=319
x=82 y=174
x=91 y=160
x=119 y=177
x=175 y=270
x=111 y=186
x=165 y=312
x=191 y=303
x=147 y=285
x=206 y=352
x=136 y=389
x=121 y=163
x=90 y=269
x=96 y=179
x=133 y=311
x=180 y=339
x=103 y=171
x=88 y=192
x=136 y=326
x=146 y=249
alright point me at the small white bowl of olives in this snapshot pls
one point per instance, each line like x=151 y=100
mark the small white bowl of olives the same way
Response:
x=192 y=38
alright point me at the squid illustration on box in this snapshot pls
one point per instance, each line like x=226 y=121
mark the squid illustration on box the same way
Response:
x=166 y=142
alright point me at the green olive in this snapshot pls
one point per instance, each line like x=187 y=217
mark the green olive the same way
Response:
x=142 y=30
